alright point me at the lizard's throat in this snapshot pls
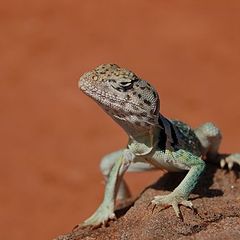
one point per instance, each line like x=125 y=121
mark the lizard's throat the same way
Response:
x=125 y=114
x=133 y=126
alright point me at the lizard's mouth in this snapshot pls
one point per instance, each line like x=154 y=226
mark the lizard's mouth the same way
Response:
x=104 y=98
x=115 y=105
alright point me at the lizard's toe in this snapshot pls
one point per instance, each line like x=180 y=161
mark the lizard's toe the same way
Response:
x=101 y=217
x=230 y=161
x=187 y=203
x=172 y=200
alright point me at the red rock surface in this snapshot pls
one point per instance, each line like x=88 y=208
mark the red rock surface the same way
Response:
x=217 y=214
x=52 y=136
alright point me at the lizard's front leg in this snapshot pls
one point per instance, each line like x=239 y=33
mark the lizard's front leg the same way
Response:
x=182 y=160
x=107 y=164
x=105 y=211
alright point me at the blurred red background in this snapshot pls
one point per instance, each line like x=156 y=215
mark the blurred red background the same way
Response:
x=52 y=136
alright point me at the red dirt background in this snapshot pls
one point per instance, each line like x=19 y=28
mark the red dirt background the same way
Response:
x=52 y=136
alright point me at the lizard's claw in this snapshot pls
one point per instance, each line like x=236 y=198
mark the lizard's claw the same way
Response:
x=99 y=218
x=172 y=200
x=230 y=160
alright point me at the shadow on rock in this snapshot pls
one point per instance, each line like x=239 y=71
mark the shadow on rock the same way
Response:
x=171 y=180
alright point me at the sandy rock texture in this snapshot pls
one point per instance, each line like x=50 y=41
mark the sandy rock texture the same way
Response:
x=216 y=216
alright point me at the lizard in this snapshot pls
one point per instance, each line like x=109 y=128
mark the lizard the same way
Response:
x=155 y=142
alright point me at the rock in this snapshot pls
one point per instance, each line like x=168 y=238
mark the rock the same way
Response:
x=217 y=212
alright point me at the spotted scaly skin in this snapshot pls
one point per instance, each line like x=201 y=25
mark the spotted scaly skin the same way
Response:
x=155 y=142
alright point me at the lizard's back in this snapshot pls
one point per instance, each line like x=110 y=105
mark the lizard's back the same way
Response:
x=180 y=136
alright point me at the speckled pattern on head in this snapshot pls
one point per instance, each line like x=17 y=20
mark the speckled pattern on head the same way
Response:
x=131 y=101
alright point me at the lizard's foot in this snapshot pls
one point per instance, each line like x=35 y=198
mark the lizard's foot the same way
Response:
x=231 y=160
x=173 y=200
x=102 y=215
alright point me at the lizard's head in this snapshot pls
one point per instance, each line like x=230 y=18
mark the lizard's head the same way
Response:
x=123 y=95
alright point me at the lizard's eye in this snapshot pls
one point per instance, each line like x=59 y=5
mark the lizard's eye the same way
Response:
x=126 y=84
x=122 y=86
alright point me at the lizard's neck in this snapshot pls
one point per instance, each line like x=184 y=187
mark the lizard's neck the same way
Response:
x=143 y=138
x=145 y=143
x=142 y=130
x=135 y=129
